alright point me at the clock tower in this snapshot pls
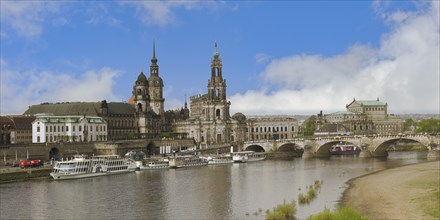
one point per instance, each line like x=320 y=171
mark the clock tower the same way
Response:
x=155 y=86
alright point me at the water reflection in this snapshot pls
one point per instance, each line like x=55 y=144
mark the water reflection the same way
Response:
x=234 y=191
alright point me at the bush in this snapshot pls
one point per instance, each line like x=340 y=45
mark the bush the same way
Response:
x=342 y=213
x=283 y=211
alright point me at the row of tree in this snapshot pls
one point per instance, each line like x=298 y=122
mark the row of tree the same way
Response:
x=431 y=125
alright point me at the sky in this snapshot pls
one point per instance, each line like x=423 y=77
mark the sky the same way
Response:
x=279 y=57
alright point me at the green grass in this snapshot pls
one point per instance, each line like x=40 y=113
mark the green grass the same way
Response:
x=285 y=211
x=342 y=213
x=433 y=208
x=311 y=193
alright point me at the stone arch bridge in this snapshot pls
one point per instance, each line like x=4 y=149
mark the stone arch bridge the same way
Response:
x=371 y=146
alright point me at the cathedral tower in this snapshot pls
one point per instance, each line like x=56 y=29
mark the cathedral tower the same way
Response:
x=141 y=101
x=155 y=86
x=217 y=89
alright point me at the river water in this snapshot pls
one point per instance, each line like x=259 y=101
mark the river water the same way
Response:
x=233 y=191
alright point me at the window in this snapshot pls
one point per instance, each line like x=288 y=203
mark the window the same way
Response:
x=80 y=128
x=73 y=127
x=46 y=128
x=38 y=138
x=67 y=128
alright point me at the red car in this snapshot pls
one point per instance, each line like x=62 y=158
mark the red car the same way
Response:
x=31 y=163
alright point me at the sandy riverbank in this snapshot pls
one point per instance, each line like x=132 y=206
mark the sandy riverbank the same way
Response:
x=408 y=192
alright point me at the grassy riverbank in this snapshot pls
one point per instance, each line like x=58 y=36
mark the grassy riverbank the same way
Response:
x=407 y=192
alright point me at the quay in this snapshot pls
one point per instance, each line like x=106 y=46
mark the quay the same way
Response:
x=17 y=174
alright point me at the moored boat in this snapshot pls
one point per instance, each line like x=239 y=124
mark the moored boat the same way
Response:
x=186 y=161
x=82 y=167
x=152 y=165
x=247 y=156
x=220 y=159
x=344 y=149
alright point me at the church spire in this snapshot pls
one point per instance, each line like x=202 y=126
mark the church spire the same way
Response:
x=154 y=68
x=154 y=59
x=215 y=48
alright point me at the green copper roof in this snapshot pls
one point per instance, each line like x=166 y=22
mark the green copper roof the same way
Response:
x=79 y=108
x=370 y=102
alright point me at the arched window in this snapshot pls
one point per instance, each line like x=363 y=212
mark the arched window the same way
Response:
x=217 y=113
x=139 y=107
x=139 y=92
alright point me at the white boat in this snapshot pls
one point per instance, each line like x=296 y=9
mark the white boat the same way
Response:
x=221 y=159
x=186 y=161
x=81 y=167
x=162 y=164
x=247 y=156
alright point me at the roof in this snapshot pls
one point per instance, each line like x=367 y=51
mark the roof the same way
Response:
x=17 y=122
x=69 y=118
x=343 y=113
x=333 y=127
x=368 y=102
x=79 y=108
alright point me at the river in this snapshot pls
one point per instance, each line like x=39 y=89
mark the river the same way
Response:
x=233 y=191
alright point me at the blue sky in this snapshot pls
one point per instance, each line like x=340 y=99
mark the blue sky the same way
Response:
x=279 y=57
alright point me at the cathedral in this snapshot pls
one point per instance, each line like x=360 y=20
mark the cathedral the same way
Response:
x=209 y=122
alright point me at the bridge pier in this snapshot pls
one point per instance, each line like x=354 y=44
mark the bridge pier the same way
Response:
x=365 y=154
x=434 y=155
x=308 y=152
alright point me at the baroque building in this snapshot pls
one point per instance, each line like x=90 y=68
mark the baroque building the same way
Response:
x=121 y=123
x=271 y=128
x=16 y=129
x=209 y=121
x=361 y=117
x=72 y=128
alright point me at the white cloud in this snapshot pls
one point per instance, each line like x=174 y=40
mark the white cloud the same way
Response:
x=261 y=58
x=20 y=89
x=161 y=12
x=27 y=17
x=403 y=71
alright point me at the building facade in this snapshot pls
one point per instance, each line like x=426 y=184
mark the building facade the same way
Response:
x=365 y=117
x=209 y=121
x=148 y=101
x=73 y=128
x=271 y=128
x=119 y=116
x=16 y=129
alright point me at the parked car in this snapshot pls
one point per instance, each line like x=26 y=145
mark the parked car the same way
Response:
x=31 y=163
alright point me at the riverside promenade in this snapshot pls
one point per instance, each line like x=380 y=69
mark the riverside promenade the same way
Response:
x=407 y=192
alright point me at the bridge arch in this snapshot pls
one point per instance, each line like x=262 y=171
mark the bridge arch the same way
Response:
x=255 y=147
x=324 y=149
x=381 y=149
x=289 y=147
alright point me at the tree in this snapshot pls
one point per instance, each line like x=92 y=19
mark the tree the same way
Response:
x=431 y=125
x=309 y=125
x=408 y=124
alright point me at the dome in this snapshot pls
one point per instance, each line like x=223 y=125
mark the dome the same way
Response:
x=142 y=79
x=239 y=117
